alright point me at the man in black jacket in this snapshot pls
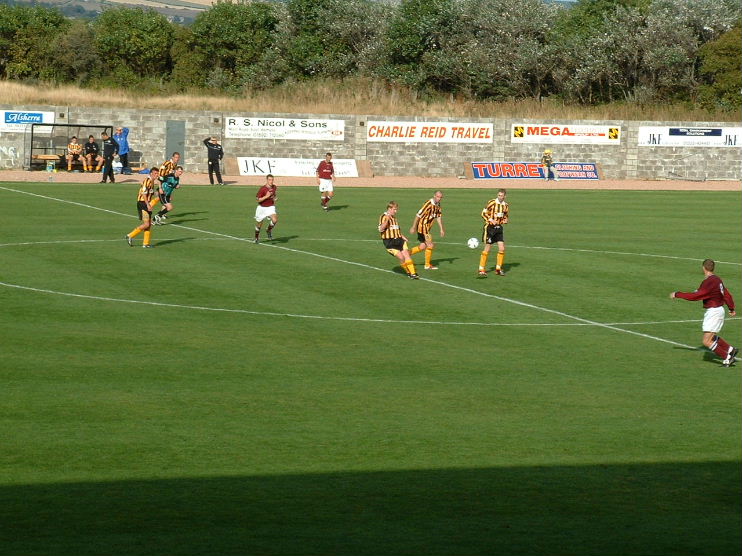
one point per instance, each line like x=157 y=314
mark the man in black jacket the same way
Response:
x=216 y=153
x=110 y=149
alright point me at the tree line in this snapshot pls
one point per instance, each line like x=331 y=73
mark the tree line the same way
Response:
x=597 y=51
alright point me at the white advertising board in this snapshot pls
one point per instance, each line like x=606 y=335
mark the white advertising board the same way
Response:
x=294 y=167
x=566 y=134
x=650 y=136
x=291 y=129
x=429 y=132
x=15 y=121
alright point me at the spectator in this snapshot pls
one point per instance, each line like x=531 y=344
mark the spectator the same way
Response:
x=122 y=138
x=92 y=154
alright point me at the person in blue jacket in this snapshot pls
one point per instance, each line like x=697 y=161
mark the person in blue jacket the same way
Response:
x=122 y=138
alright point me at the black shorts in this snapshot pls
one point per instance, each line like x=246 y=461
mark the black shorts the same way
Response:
x=142 y=210
x=395 y=243
x=75 y=156
x=493 y=234
x=422 y=237
x=164 y=199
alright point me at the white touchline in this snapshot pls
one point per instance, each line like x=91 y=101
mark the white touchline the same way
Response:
x=362 y=265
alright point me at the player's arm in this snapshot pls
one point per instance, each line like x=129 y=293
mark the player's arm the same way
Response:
x=384 y=223
x=440 y=225
x=729 y=300
x=703 y=291
x=415 y=222
x=488 y=214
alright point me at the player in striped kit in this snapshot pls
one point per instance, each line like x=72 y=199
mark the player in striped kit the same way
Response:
x=495 y=215
x=144 y=208
x=74 y=152
x=394 y=241
x=429 y=212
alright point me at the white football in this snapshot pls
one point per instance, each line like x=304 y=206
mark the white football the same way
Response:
x=473 y=243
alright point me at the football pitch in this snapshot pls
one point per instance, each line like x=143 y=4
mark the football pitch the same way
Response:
x=303 y=397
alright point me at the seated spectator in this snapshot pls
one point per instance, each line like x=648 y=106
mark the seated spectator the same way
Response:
x=92 y=153
x=74 y=153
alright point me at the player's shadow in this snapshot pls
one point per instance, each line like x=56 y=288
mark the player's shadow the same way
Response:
x=283 y=239
x=448 y=260
x=168 y=241
x=182 y=214
x=186 y=220
x=337 y=207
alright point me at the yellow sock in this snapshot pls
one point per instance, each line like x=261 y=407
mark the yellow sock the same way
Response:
x=500 y=258
x=135 y=232
x=428 y=256
x=98 y=169
x=147 y=236
x=483 y=259
x=411 y=267
x=153 y=203
x=415 y=250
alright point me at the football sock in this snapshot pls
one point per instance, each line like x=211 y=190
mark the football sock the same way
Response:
x=483 y=259
x=147 y=236
x=97 y=169
x=324 y=201
x=720 y=347
x=163 y=212
x=428 y=256
x=270 y=227
x=257 y=232
x=415 y=250
x=411 y=267
x=135 y=232
x=500 y=258
x=152 y=204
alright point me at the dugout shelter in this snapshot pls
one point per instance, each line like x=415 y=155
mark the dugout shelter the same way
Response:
x=48 y=142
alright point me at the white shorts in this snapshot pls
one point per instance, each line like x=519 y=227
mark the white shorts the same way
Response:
x=713 y=319
x=325 y=185
x=261 y=213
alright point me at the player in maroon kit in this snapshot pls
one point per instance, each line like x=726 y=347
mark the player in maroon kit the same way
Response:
x=714 y=296
x=326 y=180
x=266 y=208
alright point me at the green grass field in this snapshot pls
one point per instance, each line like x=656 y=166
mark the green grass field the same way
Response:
x=212 y=396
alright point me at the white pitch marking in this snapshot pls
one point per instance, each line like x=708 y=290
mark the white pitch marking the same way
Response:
x=362 y=265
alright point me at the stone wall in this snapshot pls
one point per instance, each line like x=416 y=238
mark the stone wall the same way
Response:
x=624 y=161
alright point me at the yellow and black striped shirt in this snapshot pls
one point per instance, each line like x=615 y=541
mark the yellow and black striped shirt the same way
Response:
x=497 y=211
x=74 y=148
x=426 y=215
x=167 y=168
x=392 y=230
x=146 y=191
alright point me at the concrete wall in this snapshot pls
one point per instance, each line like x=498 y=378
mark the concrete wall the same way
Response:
x=625 y=161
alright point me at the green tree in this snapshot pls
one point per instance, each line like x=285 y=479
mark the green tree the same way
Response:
x=721 y=61
x=26 y=40
x=225 y=40
x=134 y=44
x=420 y=29
x=72 y=55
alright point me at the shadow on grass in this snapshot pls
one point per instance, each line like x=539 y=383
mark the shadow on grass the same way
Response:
x=663 y=509
x=163 y=242
x=282 y=239
x=336 y=207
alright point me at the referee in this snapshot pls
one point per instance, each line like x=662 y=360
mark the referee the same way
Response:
x=110 y=149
